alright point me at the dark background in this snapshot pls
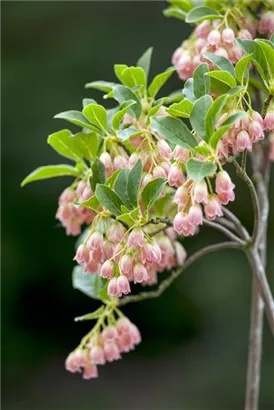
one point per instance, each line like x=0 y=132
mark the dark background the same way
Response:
x=194 y=350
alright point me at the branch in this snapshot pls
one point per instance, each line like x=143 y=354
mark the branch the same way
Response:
x=238 y=225
x=224 y=230
x=176 y=273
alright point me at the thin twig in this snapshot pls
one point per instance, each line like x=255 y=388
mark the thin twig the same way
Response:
x=238 y=224
x=224 y=230
x=174 y=274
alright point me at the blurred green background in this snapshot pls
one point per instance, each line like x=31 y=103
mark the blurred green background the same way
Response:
x=194 y=350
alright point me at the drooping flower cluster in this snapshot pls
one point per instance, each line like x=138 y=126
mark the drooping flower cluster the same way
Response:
x=124 y=257
x=102 y=346
x=71 y=217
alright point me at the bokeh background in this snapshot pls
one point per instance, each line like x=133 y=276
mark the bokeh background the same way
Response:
x=194 y=350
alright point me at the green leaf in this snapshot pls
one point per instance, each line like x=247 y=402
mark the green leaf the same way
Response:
x=174 y=12
x=144 y=61
x=104 y=86
x=90 y=285
x=87 y=143
x=87 y=101
x=120 y=187
x=198 y=14
x=50 y=171
x=198 y=113
x=234 y=118
x=185 y=5
x=76 y=118
x=123 y=94
x=175 y=97
x=272 y=38
x=224 y=77
x=109 y=199
x=91 y=316
x=159 y=81
x=213 y=113
x=188 y=90
x=203 y=150
x=133 y=182
x=112 y=179
x=117 y=118
x=129 y=218
x=97 y=115
x=241 y=68
x=152 y=191
x=133 y=76
x=91 y=203
x=221 y=62
x=127 y=133
x=63 y=143
x=174 y=130
x=201 y=82
x=197 y=170
x=268 y=52
x=217 y=135
x=118 y=69
x=235 y=91
x=153 y=110
x=98 y=174
x=181 y=109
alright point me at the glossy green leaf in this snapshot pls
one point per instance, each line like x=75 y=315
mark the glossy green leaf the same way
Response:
x=87 y=101
x=127 y=133
x=272 y=38
x=133 y=183
x=198 y=114
x=188 y=92
x=50 y=171
x=87 y=144
x=152 y=191
x=185 y=5
x=242 y=68
x=97 y=115
x=123 y=94
x=112 y=179
x=213 y=114
x=235 y=91
x=201 y=82
x=224 y=77
x=90 y=285
x=198 y=170
x=203 y=150
x=63 y=143
x=104 y=86
x=91 y=316
x=221 y=62
x=198 y=14
x=174 y=130
x=118 y=69
x=268 y=52
x=129 y=218
x=120 y=187
x=145 y=60
x=175 y=97
x=181 y=109
x=76 y=118
x=117 y=118
x=174 y=11
x=234 y=118
x=91 y=203
x=98 y=174
x=159 y=81
x=217 y=135
x=133 y=76
x=109 y=199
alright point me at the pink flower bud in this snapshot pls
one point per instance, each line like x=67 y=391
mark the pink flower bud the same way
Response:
x=109 y=334
x=243 y=142
x=108 y=249
x=97 y=355
x=175 y=175
x=195 y=215
x=80 y=188
x=214 y=38
x=213 y=208
x=123 y=285
x=135 y=334
x=228 y=35
x=221 y=52
x=72 y=363
x=116 y=232
x=111 y=352
x=87 y=193
x=120 y=162
x=95 y=241
x=107 y=269
x=271 y=150
x=82 y=255
x=91 y=267
x=223 y=182
x=182 y=225
x=245 y=34
x=200 y=194
x=176 y=56
x=133 y=159
x=90 y=372
x=181 y=154
x=136 y=238
x=171 y=233
x=140 y=273
x=117 y=252
x=257 y=117
x=164 y=149
x=123 y=325
x=67 y=196
x=159 y=172
x=203 y=29
x=269 y=121
x=180 y=253
x=256 y=131
x=225 y=197
x=151 y=253
x=113 y=289
x=266 y=24
x=126 y=264
x=106 y=160
x=234 y=54
x=223 y=150
x=147 y=178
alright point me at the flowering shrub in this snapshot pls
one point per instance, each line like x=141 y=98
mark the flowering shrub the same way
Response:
x=153 y=170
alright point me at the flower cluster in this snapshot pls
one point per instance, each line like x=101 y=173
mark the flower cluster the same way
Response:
x=103 y=346
x=266 y=24
x=71 y=217
x=211 y=37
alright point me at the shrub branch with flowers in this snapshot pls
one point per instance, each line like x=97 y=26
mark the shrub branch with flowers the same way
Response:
x=152 y=171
